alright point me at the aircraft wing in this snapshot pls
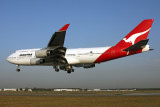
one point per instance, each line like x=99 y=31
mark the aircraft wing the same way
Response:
x=55 y=51
x=58 y=37
x=139 y=45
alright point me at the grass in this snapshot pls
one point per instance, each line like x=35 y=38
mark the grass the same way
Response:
x=78 y=92
x=52 y=101
x=7 y=100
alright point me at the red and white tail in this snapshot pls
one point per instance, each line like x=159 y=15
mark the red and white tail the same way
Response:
x=139 y=33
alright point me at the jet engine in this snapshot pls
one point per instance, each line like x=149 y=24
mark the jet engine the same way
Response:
x=45 y=52
x=36 y=61
x=42 y=53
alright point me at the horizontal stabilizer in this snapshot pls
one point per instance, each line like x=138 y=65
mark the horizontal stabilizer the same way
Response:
x=139 y=45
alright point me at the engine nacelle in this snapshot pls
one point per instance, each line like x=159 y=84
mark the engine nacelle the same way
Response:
x=37 y=61
x=45 y=52
x=42 y=53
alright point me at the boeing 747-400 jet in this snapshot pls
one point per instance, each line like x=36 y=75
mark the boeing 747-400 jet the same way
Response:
x=57 y=55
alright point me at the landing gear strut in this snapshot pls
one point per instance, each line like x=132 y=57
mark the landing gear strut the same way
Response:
x=18 y=69
x=56 y=68
x=70 y=69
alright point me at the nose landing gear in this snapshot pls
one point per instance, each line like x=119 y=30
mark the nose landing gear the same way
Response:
x=18 y=69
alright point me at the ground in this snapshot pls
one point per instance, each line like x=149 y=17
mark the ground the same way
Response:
x=77 y=99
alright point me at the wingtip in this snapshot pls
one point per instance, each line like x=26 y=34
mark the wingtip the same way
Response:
x=64 y=28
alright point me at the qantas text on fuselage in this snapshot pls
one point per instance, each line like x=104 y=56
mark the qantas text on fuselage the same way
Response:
x=57 y=55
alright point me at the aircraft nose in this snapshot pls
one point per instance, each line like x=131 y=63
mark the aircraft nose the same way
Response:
x=11 y=58
x=8 y=59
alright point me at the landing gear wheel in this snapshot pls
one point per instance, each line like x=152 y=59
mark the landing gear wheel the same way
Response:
x=69 y=71
x=57 y=70
x=18 y=70
x=72 y=70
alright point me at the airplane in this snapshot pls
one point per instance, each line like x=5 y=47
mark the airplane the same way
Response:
x=58 y=56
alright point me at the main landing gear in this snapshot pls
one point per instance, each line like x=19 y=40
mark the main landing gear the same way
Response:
x=56 y=68
x=68 y=68
x=18 y=69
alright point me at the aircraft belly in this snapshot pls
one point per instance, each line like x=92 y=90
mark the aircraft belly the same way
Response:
x=82 y=59
x=72 y=60
x=88 y=58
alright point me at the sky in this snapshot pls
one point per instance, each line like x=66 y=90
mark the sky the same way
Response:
x=26 y=24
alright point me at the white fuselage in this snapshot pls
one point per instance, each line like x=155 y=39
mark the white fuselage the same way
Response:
x=73 y=56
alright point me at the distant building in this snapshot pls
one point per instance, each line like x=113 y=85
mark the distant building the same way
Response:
x=9 y=89
x=14 y=89
x=66 y=89
x=94 y=90
x=27 y=89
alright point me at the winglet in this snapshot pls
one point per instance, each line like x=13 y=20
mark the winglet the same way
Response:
x=64 y=28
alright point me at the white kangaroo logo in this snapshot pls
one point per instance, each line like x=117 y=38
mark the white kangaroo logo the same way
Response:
x=132 y=38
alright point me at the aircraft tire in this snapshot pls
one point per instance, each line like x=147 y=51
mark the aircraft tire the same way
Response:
x=18 y=70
